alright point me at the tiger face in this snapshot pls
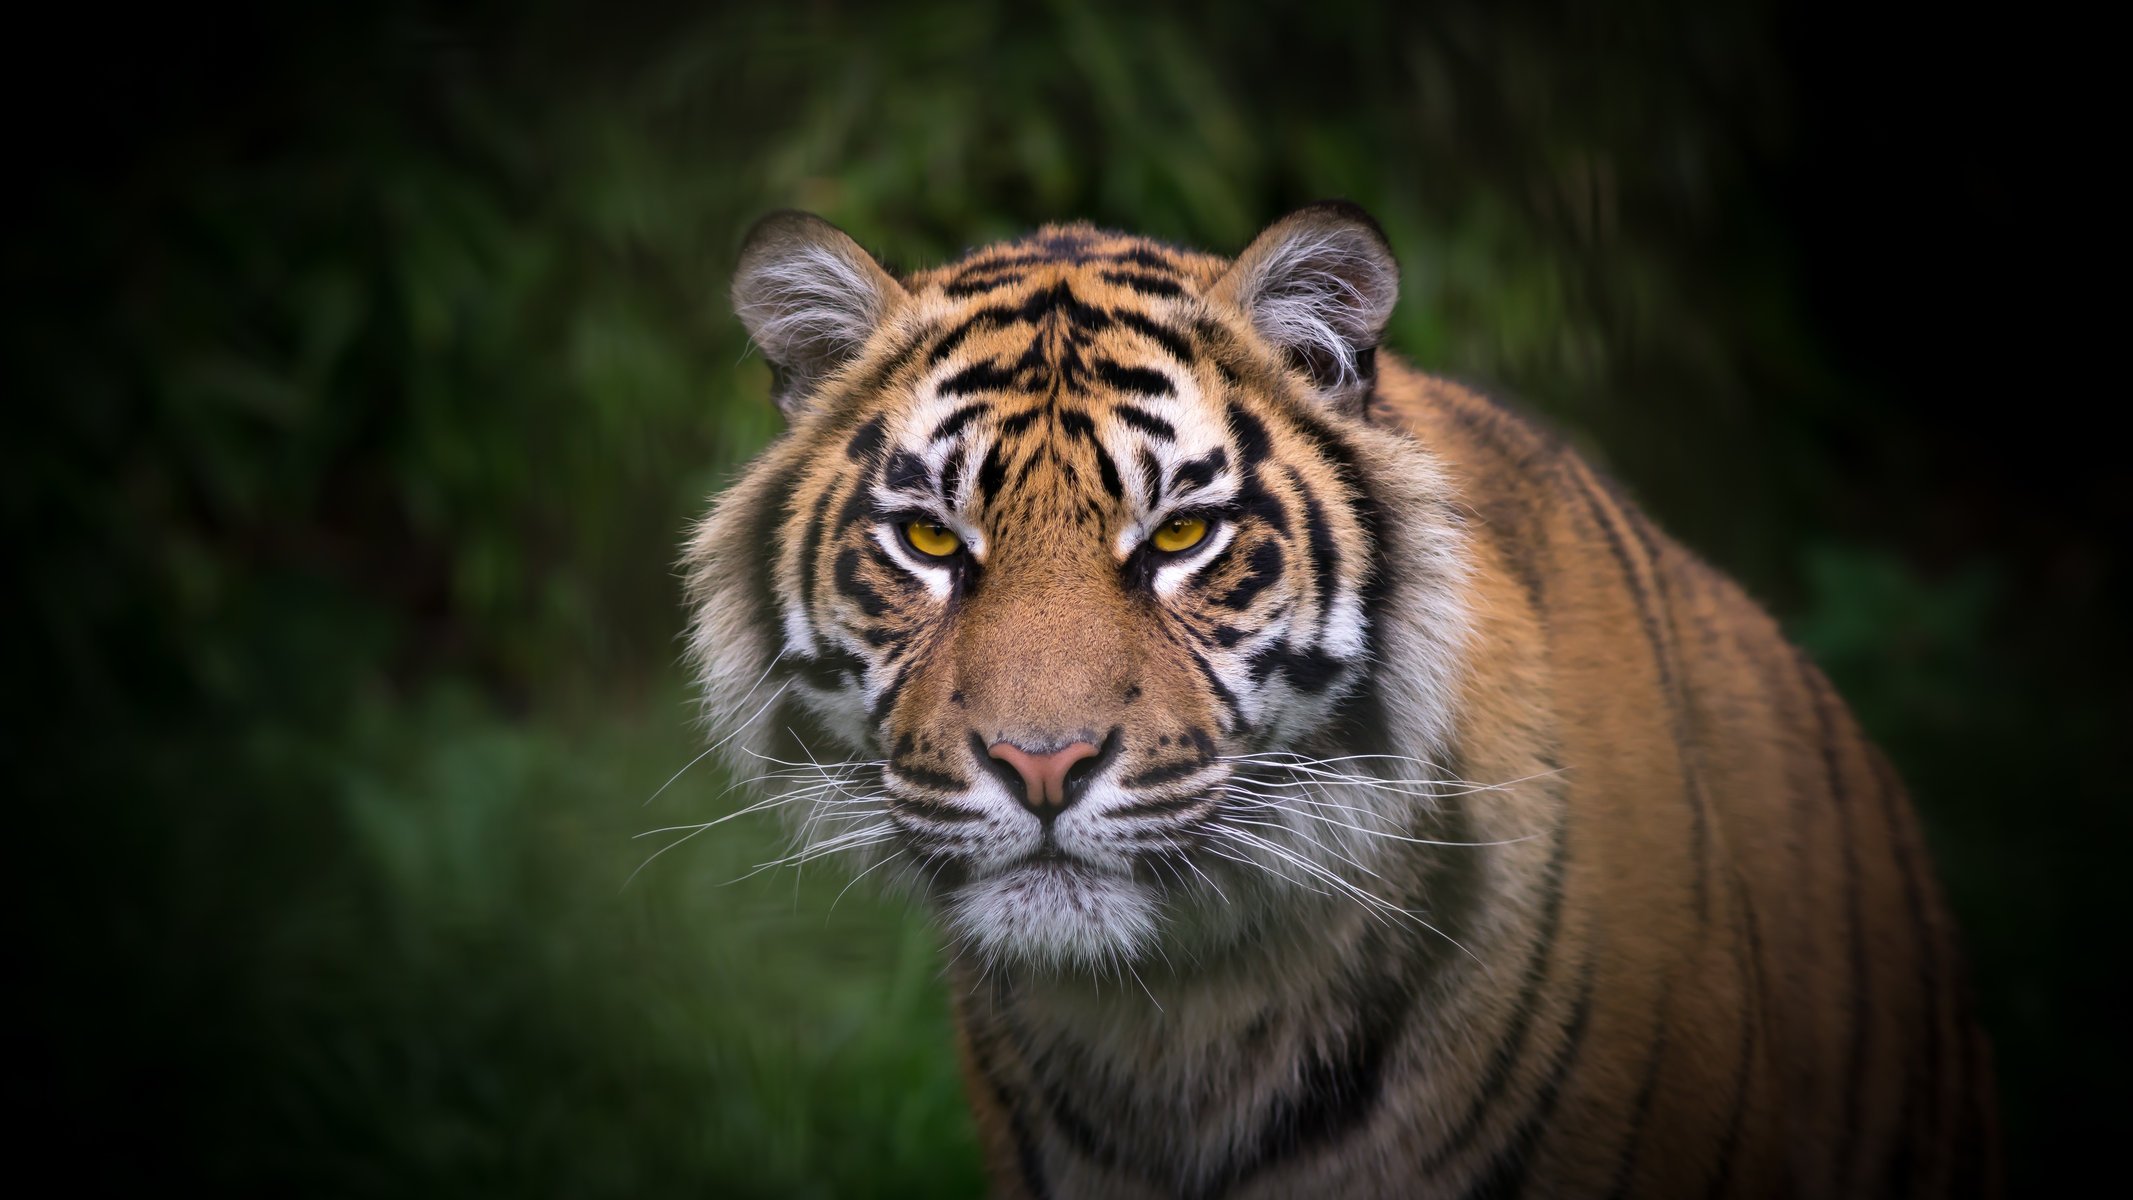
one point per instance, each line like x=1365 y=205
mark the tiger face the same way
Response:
x=1072 y=557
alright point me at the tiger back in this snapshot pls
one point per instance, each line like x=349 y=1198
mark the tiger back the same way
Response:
x=1325 y=782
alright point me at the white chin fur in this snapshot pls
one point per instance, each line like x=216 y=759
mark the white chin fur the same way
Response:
x=1048 y=915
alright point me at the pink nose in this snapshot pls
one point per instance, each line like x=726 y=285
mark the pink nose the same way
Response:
x=1043 y=775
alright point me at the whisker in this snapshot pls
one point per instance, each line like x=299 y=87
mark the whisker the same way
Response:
x=730 y=736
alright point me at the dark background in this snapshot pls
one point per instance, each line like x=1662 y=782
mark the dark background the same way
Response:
x=364 y=368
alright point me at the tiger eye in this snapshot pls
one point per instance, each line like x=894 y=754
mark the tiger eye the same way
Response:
x=931 y=538
x=1179 y=533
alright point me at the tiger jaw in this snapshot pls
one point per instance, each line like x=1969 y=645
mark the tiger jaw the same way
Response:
x=1085 y=888
x=1055 y=910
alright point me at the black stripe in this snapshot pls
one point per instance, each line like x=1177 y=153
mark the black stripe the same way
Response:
x=1142 y=256
x=1573 y=475
x=1254 y=500
x=998 y=314
x=1340 y=1080
x=977 y=285
x=993 y=473
x=1362 y=714
x=878 y=376
x=931 y=809
x=1013 y=425
x=1325 y=554
x=1077 y=424
x=1146 y=285
x=1506 y=1173
x=1308 y=670
x=1523 y=451
x=1107 y=470
x=776 y=496
x=1200 y=471
x=1167 y=772
x=977 y=377
x=952 y=474
x=1511 y=1048
x=1151 y=477
x=953 y=423
x=1263 y=569
x=849 y=583
x=1145 y=421
x=810 y=548
x=1641 y=1108
x=1134 y=379
x=1855 y=1057
x=1750 y=1014
x=1162 y=808
x=1029 y=465
x=1026 y=1155
x=1253 y=444
x=905 y=471
x=865 y=441
x=1161 y=334
x=827 y=672
x=887 y=699
x=1222 y=692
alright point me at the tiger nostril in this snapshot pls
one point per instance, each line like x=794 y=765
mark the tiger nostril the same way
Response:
x=1045 y=782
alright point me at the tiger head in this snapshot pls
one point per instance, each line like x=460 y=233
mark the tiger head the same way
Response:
x=1079 y=563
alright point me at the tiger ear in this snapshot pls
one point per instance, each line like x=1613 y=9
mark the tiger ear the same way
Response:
x=810 y=298
x=1320 y=284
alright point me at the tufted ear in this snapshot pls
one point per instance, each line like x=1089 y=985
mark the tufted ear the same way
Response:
x=810 y=298
x=1319 y=284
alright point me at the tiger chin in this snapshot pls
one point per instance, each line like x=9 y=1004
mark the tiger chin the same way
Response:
x=1326 y=782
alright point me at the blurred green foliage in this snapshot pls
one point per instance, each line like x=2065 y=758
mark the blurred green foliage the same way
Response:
x=380 y=358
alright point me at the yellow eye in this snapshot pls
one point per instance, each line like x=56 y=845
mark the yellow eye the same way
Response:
x=931 y=538
x=1179 y=533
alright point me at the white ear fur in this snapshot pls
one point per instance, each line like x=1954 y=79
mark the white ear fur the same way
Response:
x=1319 y=284
x=810 y=298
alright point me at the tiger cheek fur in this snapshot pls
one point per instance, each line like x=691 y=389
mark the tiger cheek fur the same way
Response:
x=1326 y=782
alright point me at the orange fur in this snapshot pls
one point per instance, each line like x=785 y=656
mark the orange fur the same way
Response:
x=1619 y=902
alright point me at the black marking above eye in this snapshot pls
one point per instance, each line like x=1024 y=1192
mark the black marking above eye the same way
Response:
x=952 y=477
x=1200 y=471
x=905 y=470
x=953 y=423
x=1151 y=477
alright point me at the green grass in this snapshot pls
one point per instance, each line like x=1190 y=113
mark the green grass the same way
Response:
x=439 y=978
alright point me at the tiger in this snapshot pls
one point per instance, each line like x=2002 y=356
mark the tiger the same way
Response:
x=1323 y=780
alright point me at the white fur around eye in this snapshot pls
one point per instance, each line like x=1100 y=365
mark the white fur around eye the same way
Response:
x=1171 y=576
x=937 y=574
